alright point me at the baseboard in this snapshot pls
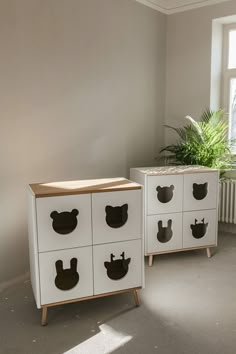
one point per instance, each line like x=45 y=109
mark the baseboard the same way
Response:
x=227 y=227
x=9 y=283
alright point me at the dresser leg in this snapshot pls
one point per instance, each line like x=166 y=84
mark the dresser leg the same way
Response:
x=136 y=299
x=150 y=260
x=44 y=316
x=208 y=252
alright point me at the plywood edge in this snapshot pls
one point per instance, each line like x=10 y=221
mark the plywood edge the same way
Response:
x=181 y=250
x=59 y=194
x=30 y=190
x=92 y=297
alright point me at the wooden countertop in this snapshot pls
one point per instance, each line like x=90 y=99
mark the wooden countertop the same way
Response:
x=52 y=189
x=173 y=170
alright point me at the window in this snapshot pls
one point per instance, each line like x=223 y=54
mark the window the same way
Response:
x=229 y=76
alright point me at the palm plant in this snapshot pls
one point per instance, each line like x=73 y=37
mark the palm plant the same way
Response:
x=202 y=143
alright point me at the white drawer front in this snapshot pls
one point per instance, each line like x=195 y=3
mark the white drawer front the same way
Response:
x=199 y=228
x=64 y=222
x=117 y=266
x=164 y=194
x=117 y=216
x=66 y=275
x=200 y=191
x=164 y=232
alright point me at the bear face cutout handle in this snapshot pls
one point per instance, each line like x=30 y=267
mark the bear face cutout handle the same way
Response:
x=200 y=190
x=66 y=279
x=116 y=216
x=117 y=269
x=165 y=194
x=199 y=230
x=64 y=223
x=164 y=234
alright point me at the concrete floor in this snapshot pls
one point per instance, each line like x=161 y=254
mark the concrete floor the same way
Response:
x=188 y=307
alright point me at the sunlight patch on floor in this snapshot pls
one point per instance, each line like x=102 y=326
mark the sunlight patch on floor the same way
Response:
x=104 y=342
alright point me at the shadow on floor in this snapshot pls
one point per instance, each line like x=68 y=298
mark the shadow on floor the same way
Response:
x=188 y=306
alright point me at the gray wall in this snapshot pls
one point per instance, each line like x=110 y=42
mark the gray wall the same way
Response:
x=188 y=82
x=82 y=96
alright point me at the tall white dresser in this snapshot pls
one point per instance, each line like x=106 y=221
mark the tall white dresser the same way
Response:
x=180 y=208
x=85 y=240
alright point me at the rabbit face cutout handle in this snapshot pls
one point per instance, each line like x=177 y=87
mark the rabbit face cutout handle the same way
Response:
x=165 y=194
x=117 y=269
x=199 y=230
x=116 y=216
x=200 y=190
x=66 y=279
x=64 y=223
x=164 y=233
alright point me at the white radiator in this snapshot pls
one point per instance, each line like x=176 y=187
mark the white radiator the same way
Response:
x=227 y=202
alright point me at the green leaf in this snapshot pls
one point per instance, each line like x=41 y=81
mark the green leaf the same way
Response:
x=197 y=127
x=204 y=142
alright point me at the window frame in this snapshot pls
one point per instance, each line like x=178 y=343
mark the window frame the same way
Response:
x=227 y=74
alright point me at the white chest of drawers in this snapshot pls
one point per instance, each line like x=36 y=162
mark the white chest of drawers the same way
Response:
x=85 y=240
x=180 y=207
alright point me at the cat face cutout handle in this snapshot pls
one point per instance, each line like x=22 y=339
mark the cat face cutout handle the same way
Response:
x=199 y=230
x=200 y=190
x=64 y=223
x=117 y=269
x=165 y=194
x=66 y=279
x=164 y=233
x=116 y=216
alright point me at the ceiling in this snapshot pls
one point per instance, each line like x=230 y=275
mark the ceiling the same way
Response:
x=172 y=6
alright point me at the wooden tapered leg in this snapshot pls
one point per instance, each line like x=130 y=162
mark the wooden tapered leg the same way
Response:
x=150 y=261
x=136 y=299
x=208 y=252
x=44 y=315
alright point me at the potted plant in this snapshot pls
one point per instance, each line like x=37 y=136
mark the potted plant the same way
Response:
x=204 y=142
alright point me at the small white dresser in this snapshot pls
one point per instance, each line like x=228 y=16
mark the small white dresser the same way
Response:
x=85 y=240
x=180 y=208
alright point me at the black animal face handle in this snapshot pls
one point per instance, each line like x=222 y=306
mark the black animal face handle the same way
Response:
x=200 y=190
x=116 y=216
x=117 y=269
x=64 y=223
x=199 y=230
x=66 y=279
x=165 y=194
x=164 y=233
